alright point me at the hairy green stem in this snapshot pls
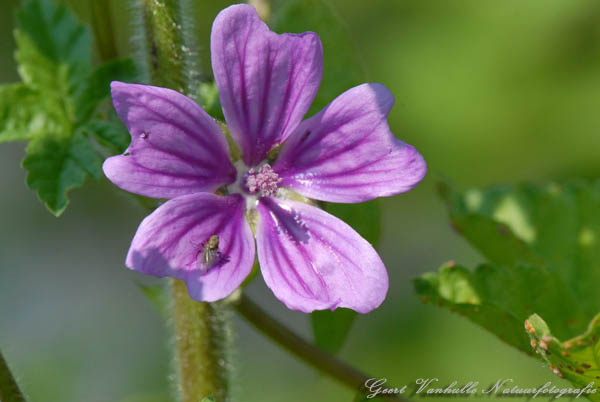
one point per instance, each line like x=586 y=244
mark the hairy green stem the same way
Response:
x=201 y=330
x=305 y=351
x=103 y=29
x=9 y=390
x=164 y=43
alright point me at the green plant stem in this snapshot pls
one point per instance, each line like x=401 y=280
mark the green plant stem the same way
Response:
x=201 y=329
x=103 y=29
x=299 y=347
x=9 y=390
x=201 y=343
x=164 y=47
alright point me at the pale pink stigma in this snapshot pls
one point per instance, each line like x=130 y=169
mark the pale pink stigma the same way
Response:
x=264 y=181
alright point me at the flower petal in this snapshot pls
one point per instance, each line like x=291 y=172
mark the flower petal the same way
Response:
x=176 y=148
x=266 y=81
x=311 y=260
x=169 y=242
x=347 y=153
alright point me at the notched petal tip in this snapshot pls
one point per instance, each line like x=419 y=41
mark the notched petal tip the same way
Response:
x=266 y=81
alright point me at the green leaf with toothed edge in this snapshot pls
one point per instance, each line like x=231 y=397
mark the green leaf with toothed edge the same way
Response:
x=55 y=165
x=21 y=116
x=556 y=226
x=110 y=133
x=576 y=360
x=543 y=247
x=53 y=105
x=96 y=88
x=55 y=30
x=500 y=298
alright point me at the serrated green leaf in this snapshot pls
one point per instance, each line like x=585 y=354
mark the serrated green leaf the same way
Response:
x=97 y=87
x=56 y=165
x=21 y=117
x=56 y=83
x=331 y=328
x=60 y=92
x=57 y=158
x=501 y=298
x=556 y=226
x=54 y=52
x=55 y=31
x=543 y=246
x=343 y=69
x=110 y=133
x=577 y=359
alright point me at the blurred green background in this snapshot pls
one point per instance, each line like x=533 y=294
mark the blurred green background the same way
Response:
x=489 y=92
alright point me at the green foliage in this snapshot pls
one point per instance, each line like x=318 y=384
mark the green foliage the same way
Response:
x=207 y=96
x=147 y=396
x=54 y=106
x=331 y=328
x=110 y=133
x=365 y=218
x=542 y=244
x=97 y=85
x=56 y=165
x=576 y=360
x=20 y=115
x=501 y=298
x=158 y=295
x=342 y=68
x=55 y=31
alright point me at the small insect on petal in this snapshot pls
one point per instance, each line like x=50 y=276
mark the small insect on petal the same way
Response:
x=209 y=255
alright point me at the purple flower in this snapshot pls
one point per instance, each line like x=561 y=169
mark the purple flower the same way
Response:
x=346 y=153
